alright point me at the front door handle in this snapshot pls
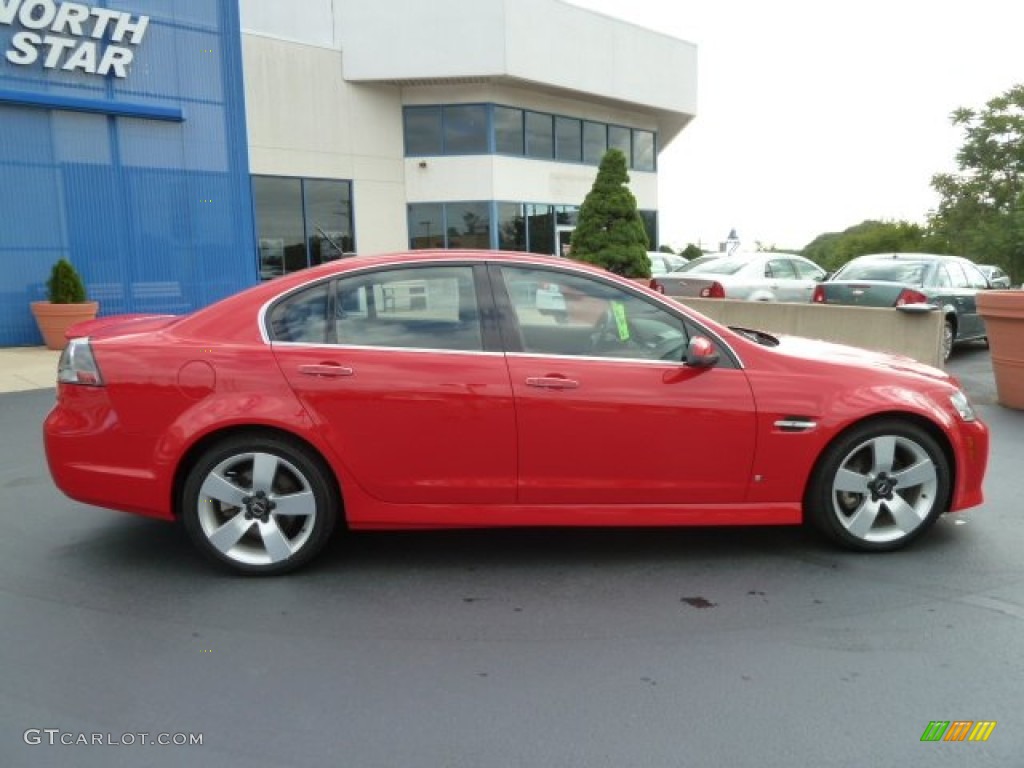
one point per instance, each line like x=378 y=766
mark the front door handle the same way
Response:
x=330 y=370
x=551 y=382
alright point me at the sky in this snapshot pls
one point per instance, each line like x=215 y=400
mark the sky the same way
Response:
x=814 y=115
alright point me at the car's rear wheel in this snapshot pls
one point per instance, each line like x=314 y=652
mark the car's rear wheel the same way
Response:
x=948 y=334
x=879 y=486
x=259 y=504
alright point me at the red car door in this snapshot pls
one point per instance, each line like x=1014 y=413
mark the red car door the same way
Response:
x=603 y=418
x=393 y=367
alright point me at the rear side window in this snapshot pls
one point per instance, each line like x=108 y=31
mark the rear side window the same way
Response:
x=302 y=317
x=419 y=308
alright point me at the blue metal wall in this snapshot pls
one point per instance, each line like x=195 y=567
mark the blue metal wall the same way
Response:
x=142 y=182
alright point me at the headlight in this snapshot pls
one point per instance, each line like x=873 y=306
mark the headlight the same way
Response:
x=962 y=406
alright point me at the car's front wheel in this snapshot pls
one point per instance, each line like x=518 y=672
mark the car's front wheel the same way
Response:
x=879 y=486
x=259 y=504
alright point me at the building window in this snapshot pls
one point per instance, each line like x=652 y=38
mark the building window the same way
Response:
x=508 y=131
x=422 y=127
x=540 y=227
x=465 y=129
x=301 y=222
x=650 y=220
x=568 y=139
x=468 y=225
x=643 y=150
x=426 y=225
x=511 y=227
x=595 y=142
x=619 y=138
x=540 y=137
x=473 y=129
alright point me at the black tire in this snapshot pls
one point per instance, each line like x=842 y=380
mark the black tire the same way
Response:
x=879 y=486
x=236 y=497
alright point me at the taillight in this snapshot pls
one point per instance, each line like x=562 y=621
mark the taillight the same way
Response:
x=910 y=296
x=656 y=285
x=713 y=291
x=78 y=366
x=818 y=297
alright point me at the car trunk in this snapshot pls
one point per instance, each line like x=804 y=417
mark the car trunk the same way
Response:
x=863 y=293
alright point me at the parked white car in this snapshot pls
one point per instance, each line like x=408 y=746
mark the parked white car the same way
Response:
x=757 y=276
x=995 y=276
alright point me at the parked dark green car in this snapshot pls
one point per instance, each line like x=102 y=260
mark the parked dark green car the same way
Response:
x=949 y=283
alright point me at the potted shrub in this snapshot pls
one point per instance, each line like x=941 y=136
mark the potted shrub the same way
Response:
x=68 y=304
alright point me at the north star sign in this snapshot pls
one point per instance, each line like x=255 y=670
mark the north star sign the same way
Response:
x=72 y=37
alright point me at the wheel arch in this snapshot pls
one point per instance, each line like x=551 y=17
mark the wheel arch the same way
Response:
x=934 y=431
x=198 y=448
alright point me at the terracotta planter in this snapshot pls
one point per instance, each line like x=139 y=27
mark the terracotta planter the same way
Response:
x=1003 y=312
x=55 y=319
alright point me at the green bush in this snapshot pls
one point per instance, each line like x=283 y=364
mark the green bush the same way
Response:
x=65 y=285
x=609 y=231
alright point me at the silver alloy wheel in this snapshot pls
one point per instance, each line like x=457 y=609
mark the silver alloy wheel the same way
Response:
x=885 y=489
x=256 y=508
x=947 y=340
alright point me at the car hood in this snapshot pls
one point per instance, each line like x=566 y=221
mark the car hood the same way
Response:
x=841 y=354
x=119 y=325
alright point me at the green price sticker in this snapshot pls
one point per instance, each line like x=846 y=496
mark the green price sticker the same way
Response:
x=619 y=313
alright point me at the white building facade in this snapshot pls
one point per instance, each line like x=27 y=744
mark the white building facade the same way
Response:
x=177 y=151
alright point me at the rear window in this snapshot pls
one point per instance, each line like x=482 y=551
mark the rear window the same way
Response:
x=723 y=266
x=911 y=272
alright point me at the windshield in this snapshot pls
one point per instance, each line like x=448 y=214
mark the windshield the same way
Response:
x=894 y=271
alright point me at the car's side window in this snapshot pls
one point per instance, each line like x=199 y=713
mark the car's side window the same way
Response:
x=302 y=317
x=557 y=313
x=975 y=279
x=419 y=308
x=780 y=269
x=956 y=275
x=807 y=271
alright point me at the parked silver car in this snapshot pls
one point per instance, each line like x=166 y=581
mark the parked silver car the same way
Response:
x=758 y=276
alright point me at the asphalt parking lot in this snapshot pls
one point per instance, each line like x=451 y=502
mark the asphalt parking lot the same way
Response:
x=714 y=647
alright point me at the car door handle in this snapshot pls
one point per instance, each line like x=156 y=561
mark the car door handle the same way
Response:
x=331 y=370
x=551 y=382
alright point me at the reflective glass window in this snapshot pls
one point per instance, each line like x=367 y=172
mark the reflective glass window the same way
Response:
x=465 y=129
x=511 y=227
x=643 y=150
x=468 y=225
x=422 y=126
x=279 y=225
x=540 y=228
x=595 y=142
x=540 y=137
x=508 y=131
x=620 y=138
x=568 y=139
x=426 y=225
x=328 y=219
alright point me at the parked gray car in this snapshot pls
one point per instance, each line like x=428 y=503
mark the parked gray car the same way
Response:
x=949 y=283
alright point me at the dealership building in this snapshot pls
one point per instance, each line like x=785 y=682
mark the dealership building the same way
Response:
x=176 y=151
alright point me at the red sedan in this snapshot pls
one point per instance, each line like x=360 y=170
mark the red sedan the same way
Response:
x=427 y=390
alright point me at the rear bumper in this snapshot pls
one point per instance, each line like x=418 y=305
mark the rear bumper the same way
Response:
x=92 y=459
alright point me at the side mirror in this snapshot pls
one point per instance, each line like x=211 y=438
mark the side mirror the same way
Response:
x=700 y=353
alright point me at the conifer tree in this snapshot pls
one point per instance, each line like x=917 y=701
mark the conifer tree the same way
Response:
x=609 y=231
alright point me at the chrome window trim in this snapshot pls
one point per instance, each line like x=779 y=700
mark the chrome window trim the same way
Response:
x=459 y=258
